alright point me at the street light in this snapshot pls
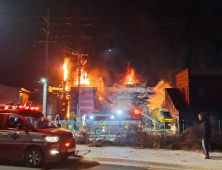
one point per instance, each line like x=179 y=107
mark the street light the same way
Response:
x=44 y=81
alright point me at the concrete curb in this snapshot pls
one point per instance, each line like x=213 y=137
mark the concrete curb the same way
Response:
x=134 y=162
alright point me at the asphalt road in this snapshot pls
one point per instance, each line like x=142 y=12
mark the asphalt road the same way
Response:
x=70 y=164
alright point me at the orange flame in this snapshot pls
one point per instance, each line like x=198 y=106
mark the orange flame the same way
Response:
x=65 y=69
x=157 y=100
x=130 y=76
x=84 y=77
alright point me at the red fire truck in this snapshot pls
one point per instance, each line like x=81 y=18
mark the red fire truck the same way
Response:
x=100 y=123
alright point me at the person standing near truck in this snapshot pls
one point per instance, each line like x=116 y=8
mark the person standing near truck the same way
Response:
x=205 y=129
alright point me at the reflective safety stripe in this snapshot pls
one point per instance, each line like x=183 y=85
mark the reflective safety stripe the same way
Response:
x=23 y=143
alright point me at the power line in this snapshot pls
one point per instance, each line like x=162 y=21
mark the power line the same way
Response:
x=65 y=48
x=72 y=18
x=116 y=61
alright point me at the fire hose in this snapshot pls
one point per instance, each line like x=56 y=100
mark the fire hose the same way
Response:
x=77 y=151
x=146 y=116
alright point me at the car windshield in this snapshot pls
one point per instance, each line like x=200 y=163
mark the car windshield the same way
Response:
x=40 y=122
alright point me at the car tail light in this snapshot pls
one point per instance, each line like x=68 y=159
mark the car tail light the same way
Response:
x=67 y=144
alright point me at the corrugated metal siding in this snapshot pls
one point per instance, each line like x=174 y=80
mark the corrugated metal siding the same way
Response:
x=168 y=104
x=182 y=83
x=182 y=79
x=87 y=99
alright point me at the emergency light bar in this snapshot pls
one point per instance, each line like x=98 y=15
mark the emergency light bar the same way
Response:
x=20 y=107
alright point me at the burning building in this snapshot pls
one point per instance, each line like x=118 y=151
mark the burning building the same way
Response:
x=129 y=93
x=69 y=94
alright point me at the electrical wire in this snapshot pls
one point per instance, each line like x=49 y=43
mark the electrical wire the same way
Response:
x=73 y=51
x=62 y=49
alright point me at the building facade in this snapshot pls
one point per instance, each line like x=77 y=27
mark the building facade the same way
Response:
x=13 y=95
x=194 y=94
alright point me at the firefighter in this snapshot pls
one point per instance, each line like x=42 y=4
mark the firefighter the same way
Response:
x=154 y=123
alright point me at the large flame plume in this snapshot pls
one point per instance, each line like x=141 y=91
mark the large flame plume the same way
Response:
x=65 y=69
x=157 y=100
x=130 y=76
x=84 y=76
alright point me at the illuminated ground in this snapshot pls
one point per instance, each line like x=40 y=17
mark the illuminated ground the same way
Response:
x=70 y=164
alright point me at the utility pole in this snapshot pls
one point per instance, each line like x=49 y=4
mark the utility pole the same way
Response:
x=79 y=83
x=68 y=50
x=46 y=66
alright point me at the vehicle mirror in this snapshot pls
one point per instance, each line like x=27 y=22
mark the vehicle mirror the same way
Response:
x=59 y=125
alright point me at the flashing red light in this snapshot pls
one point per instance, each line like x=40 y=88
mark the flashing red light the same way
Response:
x=136 y=111
x=36 y=108
x=20 y=106
x=67 y=144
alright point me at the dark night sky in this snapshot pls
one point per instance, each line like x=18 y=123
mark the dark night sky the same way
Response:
x=160 y=38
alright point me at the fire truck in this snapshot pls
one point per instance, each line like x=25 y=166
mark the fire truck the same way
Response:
x=120 y=121
x=27 y=135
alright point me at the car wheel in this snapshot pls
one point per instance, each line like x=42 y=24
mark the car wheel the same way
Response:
x=34 y=157
x=98 y=131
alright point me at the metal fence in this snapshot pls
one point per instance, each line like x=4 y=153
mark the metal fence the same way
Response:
x=216 y=124
x=108 y=127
